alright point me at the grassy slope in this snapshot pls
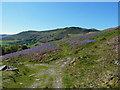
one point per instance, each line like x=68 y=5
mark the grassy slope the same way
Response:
x=34 y=37
x=93 y=66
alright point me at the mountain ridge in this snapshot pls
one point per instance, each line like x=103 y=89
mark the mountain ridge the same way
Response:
x=32 y=37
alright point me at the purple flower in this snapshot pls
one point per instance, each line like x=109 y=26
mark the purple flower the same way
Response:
x=27 y=52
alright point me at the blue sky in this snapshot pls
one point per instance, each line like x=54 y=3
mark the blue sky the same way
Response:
x=24 y=16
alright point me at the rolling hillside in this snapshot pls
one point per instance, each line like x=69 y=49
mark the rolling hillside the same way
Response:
x=3 y=35
x=32 y=37
x=83 y=61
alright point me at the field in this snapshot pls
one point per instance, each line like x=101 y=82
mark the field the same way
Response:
x=7 y=42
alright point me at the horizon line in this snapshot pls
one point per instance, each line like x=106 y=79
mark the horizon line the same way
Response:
x=54 y=29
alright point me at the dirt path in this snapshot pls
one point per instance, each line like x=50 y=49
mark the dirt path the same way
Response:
x=48 y=75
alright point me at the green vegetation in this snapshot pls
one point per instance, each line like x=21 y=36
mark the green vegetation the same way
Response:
x=33 y=37
x=90 y=65
x=7 y=42
x=94 y=65
x=36 y=38
x=12 y=48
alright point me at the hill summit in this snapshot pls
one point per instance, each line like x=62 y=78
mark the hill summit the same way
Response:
x=32 y=37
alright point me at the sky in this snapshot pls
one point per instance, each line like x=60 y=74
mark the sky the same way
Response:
x=40 y=16
x=60 y=0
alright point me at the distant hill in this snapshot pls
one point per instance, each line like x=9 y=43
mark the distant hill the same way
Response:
x=3 y=35
x=32 y=37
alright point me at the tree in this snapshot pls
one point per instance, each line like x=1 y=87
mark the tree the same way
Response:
x=24 y=47
x=7 y=50
x=14 y=48
x=0 y=50
x=3 y=50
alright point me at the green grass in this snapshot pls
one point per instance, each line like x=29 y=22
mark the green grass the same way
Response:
x=7 y=42
x=93 y=66
x=73 y=35
x=87 y=69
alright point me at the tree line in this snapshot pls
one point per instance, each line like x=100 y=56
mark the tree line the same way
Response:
x=13 y=48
